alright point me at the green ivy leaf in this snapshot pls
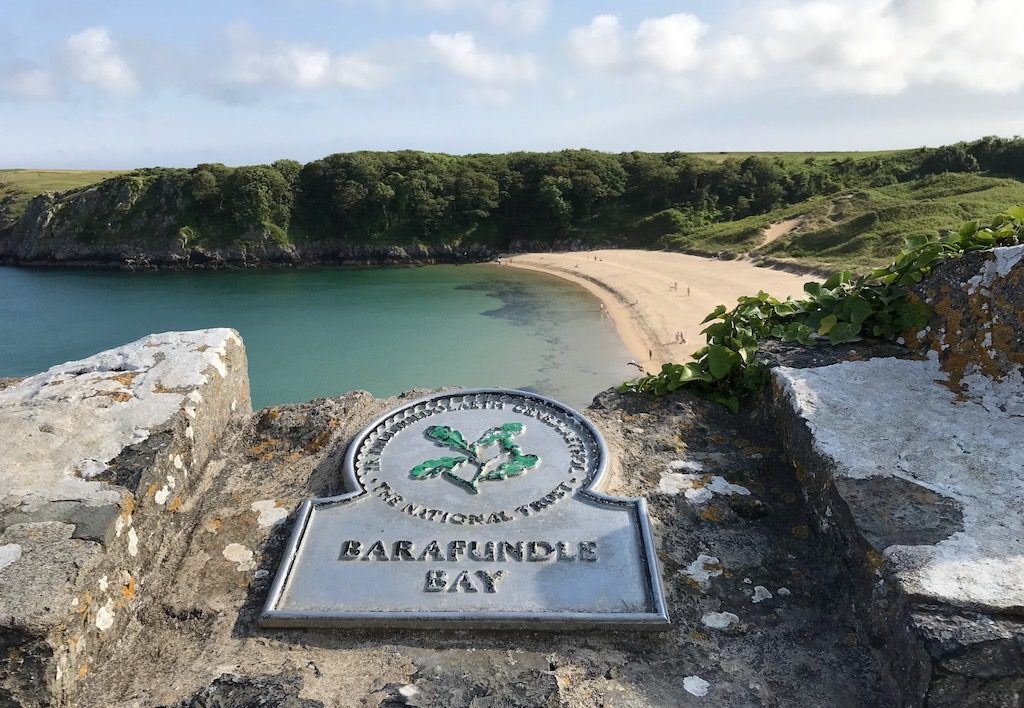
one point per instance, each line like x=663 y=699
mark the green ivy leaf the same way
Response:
x=840 y=278
x=843 y=332
x=715 y=314
x=721 y=360
x=858 y=309
x=826 y=325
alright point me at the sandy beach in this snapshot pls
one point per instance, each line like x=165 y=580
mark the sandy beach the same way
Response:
x=653 y=295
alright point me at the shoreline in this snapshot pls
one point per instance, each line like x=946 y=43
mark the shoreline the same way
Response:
x=651 y=296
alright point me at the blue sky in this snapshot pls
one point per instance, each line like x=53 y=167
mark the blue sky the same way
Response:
x=127 y=83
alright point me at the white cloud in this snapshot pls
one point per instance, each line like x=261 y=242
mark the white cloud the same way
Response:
x=672 y=43
x=463 y=56
x=523 y=15
x=93 y=59
x=488 y=96
x=27 y=82
x=254 y=61
x=885 y=46
x=599 y=44
x=517 y=15
x=880 y=47
x=733 y=56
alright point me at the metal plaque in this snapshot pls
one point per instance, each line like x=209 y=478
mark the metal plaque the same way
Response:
x=472 y=508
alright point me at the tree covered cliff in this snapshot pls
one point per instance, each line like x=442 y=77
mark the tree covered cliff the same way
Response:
x=346 y=203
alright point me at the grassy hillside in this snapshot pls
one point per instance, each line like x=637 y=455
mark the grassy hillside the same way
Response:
x=17 y=187
x=797 y=157
x=859 y=229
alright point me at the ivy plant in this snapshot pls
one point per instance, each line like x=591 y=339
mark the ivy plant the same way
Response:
x=842 y=309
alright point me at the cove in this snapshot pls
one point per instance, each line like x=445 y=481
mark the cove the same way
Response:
x=324 y=331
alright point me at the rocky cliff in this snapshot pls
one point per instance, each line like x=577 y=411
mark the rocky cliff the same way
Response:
x=120 y=223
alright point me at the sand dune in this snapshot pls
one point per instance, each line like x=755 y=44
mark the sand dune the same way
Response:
x=779 y=229
x=652 y=295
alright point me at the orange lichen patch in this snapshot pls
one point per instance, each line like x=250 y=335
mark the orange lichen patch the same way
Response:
x=174 y=504
x=697 y=635
x=317 y=443
x=83 y=670
x=1002 y=337
x=128 y=589
x=875 y=561
x=124 y=379
x=711 y=513
x=969 y=339
x=799 y=471
x=694 y=585
x=151 y=490
x=801 y=531
x=701 y=482
x=117 y=396
x=212 y=526
x=127 y=505
x=718 y=439
x=265 y=450
x=160 y=388
x=201 y=348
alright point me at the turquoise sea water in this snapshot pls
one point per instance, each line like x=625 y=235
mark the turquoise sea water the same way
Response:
x=321 y=332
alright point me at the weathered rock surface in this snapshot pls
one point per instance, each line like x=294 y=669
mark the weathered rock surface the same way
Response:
x=196 y=630
x=913 y=469
x=83 y=445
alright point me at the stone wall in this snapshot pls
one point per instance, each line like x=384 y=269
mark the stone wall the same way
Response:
x=912 y=466
x=96 y=456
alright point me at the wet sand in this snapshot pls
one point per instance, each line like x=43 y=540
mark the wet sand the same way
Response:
x=652 y=295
